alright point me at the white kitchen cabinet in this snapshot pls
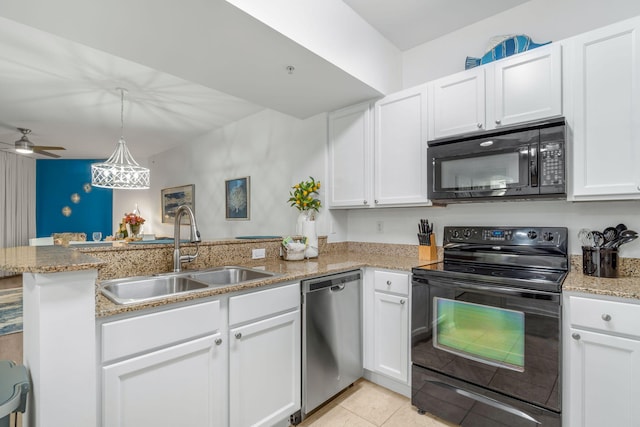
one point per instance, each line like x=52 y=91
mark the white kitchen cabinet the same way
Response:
x=165 y=368
x=602 y=362
x=525 y=87
x=457 y=103
x=350 y=152
x=264 y=357
x=178 y=385
x=400 y=142
x=604 y=78
x=386 y=328
x=521 y=88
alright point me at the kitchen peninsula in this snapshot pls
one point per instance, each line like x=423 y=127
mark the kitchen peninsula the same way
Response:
x=61 y=305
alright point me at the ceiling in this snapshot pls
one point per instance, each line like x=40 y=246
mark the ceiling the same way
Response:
x=59 y=71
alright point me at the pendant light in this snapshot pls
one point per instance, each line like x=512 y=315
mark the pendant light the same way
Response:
x=120 y=171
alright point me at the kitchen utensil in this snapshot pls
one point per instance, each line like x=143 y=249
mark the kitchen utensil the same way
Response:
x=598 y=238
x=621 y=228
x=584 y=235
x=625 y=234
x=610 y=234
x=623 y=241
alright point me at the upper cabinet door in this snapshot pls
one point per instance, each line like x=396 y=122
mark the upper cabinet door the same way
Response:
x=525 y=87
x=350 y=157
x=605 y=79
x=457 y=103
x=401 y=148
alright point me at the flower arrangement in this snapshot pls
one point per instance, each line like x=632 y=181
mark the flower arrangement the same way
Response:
x=302 y=195
x=130 y=221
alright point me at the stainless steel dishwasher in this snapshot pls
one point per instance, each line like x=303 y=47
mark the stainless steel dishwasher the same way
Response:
x=331 y=336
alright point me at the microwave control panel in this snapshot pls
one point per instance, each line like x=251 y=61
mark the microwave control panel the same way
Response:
x=552 y=163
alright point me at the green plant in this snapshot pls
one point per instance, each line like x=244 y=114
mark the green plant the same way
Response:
x=302 y=195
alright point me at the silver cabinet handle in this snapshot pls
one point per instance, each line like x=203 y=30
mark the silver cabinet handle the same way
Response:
x=238 y=335
x=218 y=341
x=388 y=282
x=375 y=201
x=575 y=336
x=498 y=121
x=606 y=317
x=365 y=202
x=479 y=125
x=402 y=301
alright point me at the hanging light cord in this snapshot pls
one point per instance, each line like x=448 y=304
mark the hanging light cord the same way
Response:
x=121 y=113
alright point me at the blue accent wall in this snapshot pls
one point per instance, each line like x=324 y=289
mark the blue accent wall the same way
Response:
x=56 y=182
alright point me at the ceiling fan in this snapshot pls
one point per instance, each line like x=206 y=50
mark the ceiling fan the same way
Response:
x=24 y=146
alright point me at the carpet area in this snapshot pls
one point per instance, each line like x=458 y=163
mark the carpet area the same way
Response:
x=10 y=311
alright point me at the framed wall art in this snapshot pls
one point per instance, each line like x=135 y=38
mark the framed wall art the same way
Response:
x=237 y=198
x=172 y=198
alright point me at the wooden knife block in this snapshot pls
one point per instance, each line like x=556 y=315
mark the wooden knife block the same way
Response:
x=428 y=253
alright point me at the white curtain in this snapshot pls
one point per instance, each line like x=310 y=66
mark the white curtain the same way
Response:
x=18 y=198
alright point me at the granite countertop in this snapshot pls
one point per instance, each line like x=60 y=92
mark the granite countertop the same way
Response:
x=285 y=270
x=623 y=287
x=45 y=259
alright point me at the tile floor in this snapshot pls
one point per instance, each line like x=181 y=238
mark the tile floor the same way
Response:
x=368 y=405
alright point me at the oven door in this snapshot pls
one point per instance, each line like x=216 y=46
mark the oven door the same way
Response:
x=502 y=166
x=505 y=340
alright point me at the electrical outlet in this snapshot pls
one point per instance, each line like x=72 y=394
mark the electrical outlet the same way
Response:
x=258 y=253
x=380 y=226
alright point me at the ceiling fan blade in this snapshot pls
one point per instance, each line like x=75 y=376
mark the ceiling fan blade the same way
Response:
x=45 y=153
x=47 y=147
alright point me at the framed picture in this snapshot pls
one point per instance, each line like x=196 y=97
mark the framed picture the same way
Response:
x=237 y=198
x=172 y=198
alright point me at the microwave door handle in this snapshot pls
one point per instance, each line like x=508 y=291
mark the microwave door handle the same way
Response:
x=533 y=162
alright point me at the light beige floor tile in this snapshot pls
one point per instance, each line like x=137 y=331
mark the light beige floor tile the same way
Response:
x=372 y=402
x=337 y=416
x=408 y=416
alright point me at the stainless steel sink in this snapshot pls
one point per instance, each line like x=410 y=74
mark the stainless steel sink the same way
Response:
x=141 y=289
x=229 y=275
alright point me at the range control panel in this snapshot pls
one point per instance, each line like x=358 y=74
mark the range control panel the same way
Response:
x=526 y=236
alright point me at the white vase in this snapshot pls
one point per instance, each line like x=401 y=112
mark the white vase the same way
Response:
x=309 y=231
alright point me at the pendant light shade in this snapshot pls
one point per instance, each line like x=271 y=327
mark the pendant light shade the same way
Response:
x=120 y=171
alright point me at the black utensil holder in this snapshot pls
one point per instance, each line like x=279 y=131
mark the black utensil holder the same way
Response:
x=600 y=262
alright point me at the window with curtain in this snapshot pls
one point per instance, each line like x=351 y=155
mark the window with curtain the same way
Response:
x=18 y=196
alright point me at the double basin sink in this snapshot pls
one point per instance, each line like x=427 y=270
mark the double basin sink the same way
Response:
x=148 y=288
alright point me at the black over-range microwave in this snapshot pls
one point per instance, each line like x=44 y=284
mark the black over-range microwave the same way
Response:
x=519 y=162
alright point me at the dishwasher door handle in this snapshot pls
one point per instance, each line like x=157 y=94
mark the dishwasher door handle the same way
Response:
x=337 y=288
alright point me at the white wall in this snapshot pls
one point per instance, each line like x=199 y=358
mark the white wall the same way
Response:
x=274 y=149
x=542 y=20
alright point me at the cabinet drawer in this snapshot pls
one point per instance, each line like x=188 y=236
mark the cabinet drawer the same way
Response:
x=256 y=305
x=391 y=282
x=623 y=318
x=138 y=334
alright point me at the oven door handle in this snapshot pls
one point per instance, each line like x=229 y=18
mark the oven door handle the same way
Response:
x=486 y=400
x=500 y=289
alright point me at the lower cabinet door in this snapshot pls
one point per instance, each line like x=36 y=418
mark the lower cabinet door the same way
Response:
x=391 y=336
x=264 y=371
x=175 y=386
x=604 y=385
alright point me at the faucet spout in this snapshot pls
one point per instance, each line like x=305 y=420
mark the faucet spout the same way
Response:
x=178 y=259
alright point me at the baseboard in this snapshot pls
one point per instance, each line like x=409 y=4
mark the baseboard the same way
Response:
x=386 y=382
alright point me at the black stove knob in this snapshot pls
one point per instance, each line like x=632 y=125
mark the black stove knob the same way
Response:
x=532 y=234
x=455 y=233
x=547 y=237
x=467 y=233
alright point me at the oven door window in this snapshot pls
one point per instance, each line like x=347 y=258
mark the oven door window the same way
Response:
x=490 y=335
x=494 y=170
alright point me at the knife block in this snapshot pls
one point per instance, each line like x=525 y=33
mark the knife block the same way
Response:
x=428 y=252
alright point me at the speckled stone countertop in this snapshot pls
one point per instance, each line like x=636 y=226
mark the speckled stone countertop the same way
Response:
x=45 y=259
x=626 y=285
x=286 y=271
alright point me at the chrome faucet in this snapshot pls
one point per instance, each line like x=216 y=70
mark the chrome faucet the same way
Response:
x=195 y=237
